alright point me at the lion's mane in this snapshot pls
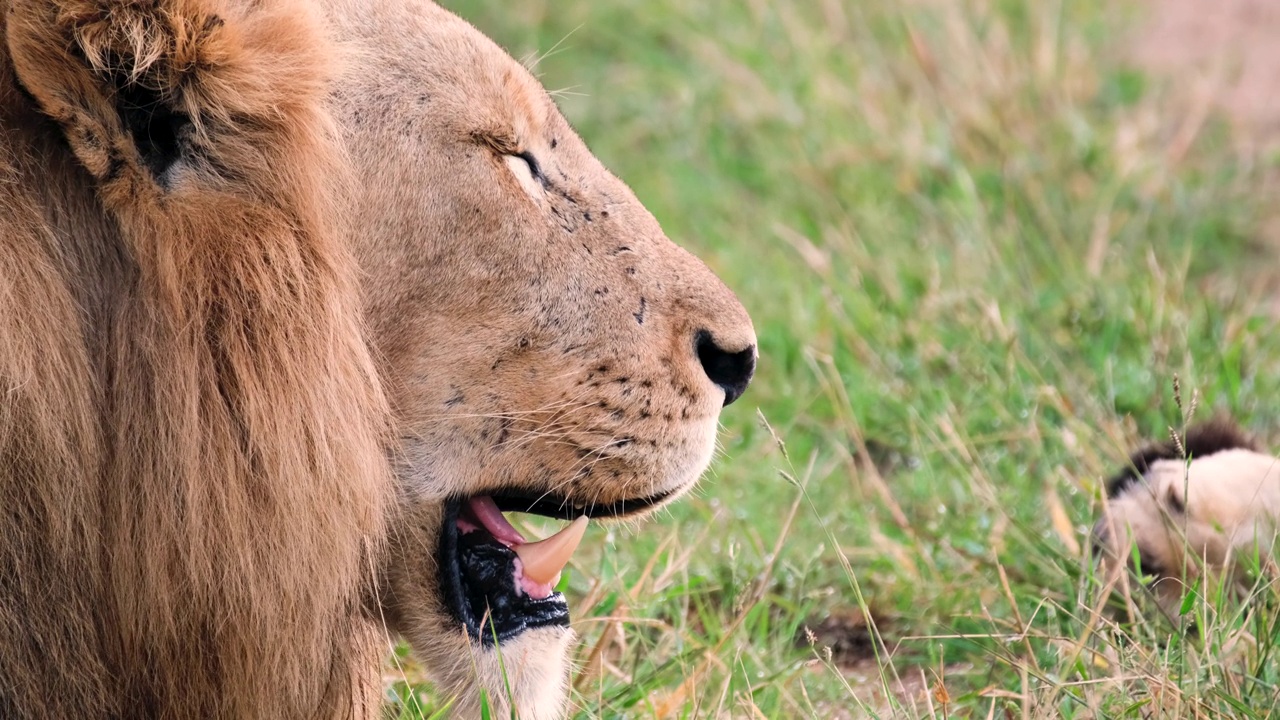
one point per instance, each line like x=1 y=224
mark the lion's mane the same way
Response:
x=192 y=468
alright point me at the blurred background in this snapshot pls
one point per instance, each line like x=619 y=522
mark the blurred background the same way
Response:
x=989 y=246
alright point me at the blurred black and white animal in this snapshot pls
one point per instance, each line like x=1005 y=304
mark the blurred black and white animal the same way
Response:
x=1182 y=511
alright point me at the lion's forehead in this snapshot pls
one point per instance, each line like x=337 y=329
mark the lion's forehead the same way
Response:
x=406 y=55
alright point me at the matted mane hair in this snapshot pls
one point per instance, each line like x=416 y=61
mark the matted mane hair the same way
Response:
x=192 y=468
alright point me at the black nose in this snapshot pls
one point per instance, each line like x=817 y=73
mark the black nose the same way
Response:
x=732 y=371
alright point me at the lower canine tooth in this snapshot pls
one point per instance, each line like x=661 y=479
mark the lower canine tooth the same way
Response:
x=542 y=561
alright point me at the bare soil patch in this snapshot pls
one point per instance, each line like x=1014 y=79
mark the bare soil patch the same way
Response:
x=1225 y=51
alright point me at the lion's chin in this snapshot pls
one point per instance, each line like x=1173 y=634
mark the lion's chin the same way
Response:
x=526 y=676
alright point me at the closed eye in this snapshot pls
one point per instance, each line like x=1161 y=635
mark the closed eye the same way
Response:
x=526 y=169
x=534 y=168
x=531 y=165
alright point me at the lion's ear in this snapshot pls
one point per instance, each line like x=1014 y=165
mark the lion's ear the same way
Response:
x=161 y=93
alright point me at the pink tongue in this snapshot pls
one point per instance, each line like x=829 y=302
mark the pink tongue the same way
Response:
x=487 y=512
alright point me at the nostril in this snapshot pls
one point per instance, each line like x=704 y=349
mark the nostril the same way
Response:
x=732 y=371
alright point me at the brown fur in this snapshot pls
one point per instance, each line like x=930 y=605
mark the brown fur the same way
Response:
x=196 y=458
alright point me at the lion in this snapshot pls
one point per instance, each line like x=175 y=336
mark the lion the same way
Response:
x=1190 y=509
x=297 y=299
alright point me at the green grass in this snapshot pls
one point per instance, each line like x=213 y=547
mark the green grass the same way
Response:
x=978 y=250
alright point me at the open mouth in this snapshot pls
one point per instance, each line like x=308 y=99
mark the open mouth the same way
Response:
x=496 y=583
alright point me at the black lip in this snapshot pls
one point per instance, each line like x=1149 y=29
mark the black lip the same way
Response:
x=560 y=507
x=477 y=574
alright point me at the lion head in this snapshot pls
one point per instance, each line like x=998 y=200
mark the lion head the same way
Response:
x=545 y=347
x=298 y=298
x=1180 y=512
